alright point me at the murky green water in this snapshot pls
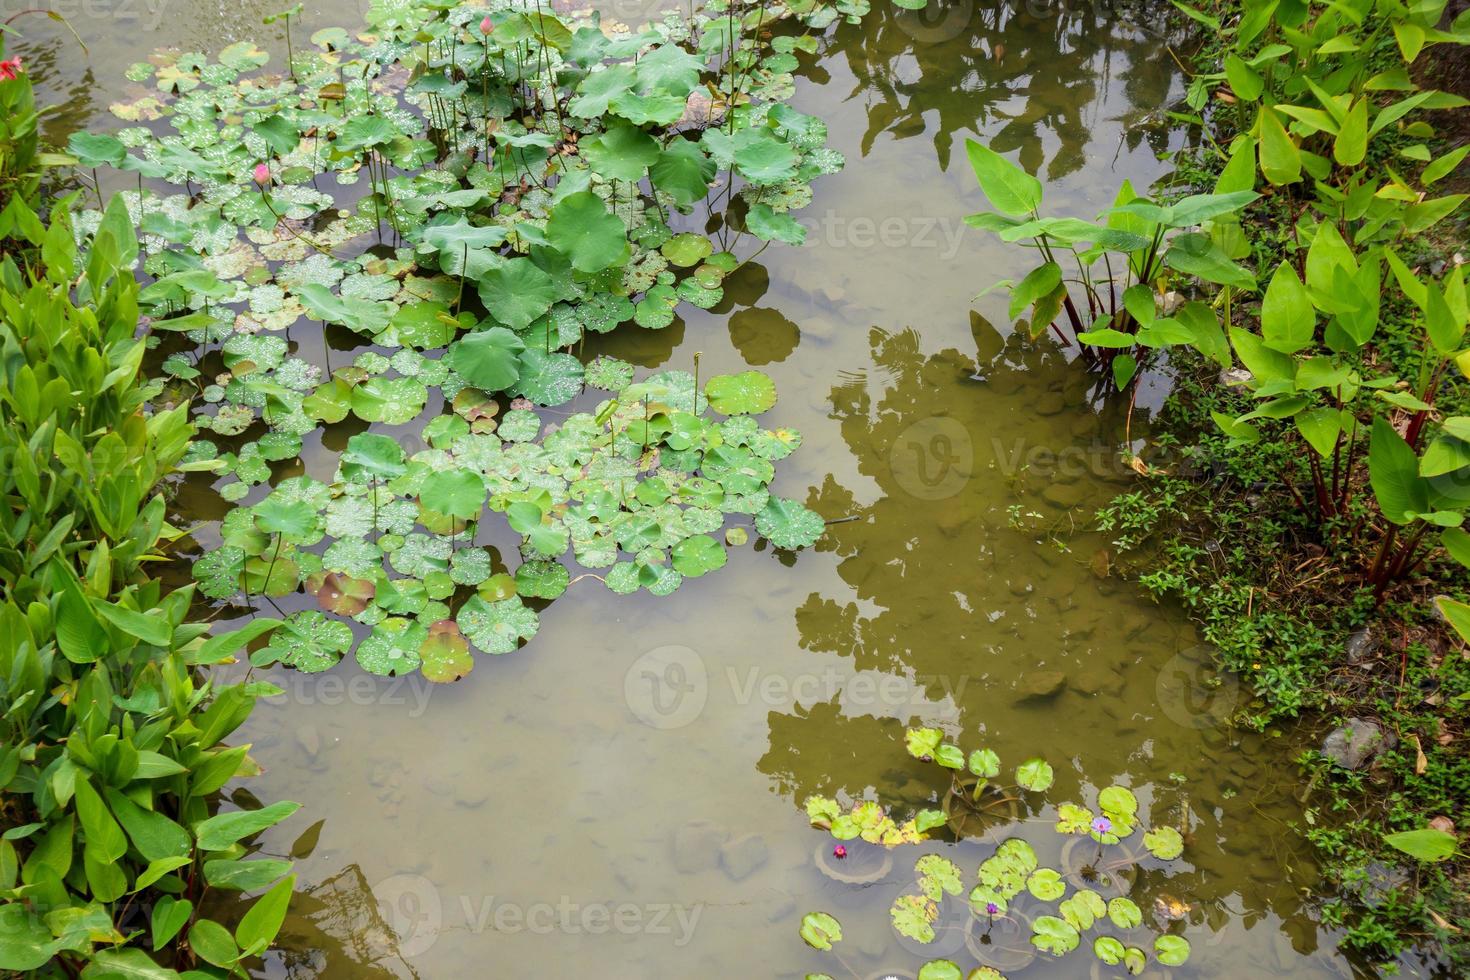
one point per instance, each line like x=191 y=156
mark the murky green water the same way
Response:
x=622 y=798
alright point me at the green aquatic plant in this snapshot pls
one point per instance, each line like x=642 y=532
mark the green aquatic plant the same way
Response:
x=1320 y=127
x=112 y=749
x=1014 y=872
x=533 y=175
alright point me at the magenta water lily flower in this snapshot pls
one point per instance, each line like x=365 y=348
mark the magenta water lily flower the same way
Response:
x=992 y=909
x=839 y=852
x=10 y=69
x=1102 y=825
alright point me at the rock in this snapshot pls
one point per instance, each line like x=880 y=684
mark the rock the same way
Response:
x=744 y=855
x=1039 y=685
x=1443 y=824
x=1361 y=645
x=1235 y=377
x=470 y=797
x=1356 y=742
x=1172 y=302
x=1064 y=495
x=309 y=740
x=1051 y=403
x=779 y=905
x=697 y=846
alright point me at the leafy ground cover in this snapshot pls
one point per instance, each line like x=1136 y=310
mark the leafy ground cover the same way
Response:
x=1305 y=487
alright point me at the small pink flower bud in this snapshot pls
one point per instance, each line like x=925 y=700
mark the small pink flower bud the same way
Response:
x=486 y=27
x=262 y=174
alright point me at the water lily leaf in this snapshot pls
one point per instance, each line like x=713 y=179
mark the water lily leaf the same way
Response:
x=1053 y=935
x=608 y=373
x=469 y=566
x=913 y=916
x=620 y=153
x=396 y=401
x=938 y=875
x=683 y=171
x=518 y=291
x=596 y=92
x=445 y=653
x=582 y=228
x=746 y=393
x=497 y=627
x=1035 y=775
x=541 y=579
x=488 y=359
x=370 y=456
x=1118 y=802
x=341 y=594
x=1172 y=950
x=787 y=524
x=456 y=493
x=1108 y=949
x=698 y=554
x=1046 y=884
x=361 y=315
x=1124 y=913
x=984 y=763
x=276 y=514
x=687 y=250
x=922 y=743
x=1164 y=843
x=307 y=641
x=392 y=649
x=982 y=898
x=549 y=379
x=220 y=571
x=1073 y=819
x=1083 y=909
x=819 y=930
x=94 y=150
x=769 y=225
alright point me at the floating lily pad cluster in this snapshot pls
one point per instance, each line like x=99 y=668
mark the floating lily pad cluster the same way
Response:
x=469 y=191
x=1011 y=871
x=868 y=820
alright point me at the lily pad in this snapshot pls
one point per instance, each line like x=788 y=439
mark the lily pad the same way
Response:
x=497 y=627
x=308 y=641
x=787 y=524
x=746 y=393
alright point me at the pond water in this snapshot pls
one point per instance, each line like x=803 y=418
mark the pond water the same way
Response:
x=623 y=797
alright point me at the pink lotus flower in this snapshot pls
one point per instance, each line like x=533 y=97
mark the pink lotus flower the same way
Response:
x=262 y=174
x=839 y=852
x=486 y=27
x=10 y=69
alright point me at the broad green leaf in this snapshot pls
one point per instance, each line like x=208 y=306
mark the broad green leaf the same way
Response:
x=1009 y=189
